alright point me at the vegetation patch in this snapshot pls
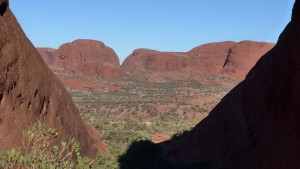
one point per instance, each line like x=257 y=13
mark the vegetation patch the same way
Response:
x=37 y=152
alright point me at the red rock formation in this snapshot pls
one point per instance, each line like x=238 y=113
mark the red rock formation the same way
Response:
x=257 y=124
x=242 y=57
x=30 y=92
x=150 y=60
x=47 y=55
x=223 y=58
x=157 y=66
x=229 y=58
x=89 y=57
x=212 y=56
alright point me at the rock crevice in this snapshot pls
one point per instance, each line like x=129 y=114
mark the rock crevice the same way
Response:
x=3 y=6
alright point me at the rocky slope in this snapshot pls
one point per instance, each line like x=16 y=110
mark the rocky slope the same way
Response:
x=229 y=59
x=257 y=124
x=89 y=57
x=29 y=92
x=211 y=57
x=207 y=63
x=242 y=57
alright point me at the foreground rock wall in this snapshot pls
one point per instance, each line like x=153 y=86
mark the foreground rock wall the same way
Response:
x=29 y=92
x=257 y=124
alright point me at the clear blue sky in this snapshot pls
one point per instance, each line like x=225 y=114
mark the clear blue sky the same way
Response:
x=165 y=25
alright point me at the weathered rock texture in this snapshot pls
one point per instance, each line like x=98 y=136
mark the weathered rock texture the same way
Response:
x=89 y=57
x=257 y=124
x=222 y=59
x=30 y=92
x=211 y=57
x=150 y=60
x=229 y=59
x=242 y=57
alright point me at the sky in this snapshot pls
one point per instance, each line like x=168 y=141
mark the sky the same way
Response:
x=164 y=25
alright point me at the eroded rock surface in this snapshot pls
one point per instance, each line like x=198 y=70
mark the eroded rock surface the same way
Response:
x=89 y=57
x=29 y=92
x=229 y=59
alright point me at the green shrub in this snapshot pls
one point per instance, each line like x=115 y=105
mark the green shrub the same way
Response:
x=37 y=152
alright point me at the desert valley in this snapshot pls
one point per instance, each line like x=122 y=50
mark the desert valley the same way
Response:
x=153 y=95
x=219 y=105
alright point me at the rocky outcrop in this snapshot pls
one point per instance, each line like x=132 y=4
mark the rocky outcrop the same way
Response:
x=257 y=124
x=143 y=60
x=212 y=56
x=242 y=57
x=93 y=58
x=30 y=92
x=89 y=57
x=230 y=59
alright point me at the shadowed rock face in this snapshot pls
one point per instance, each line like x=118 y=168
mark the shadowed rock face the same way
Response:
x=30 y=92
x=257 y=124
x=3 y=6
x=229 y=59
x=89 y=57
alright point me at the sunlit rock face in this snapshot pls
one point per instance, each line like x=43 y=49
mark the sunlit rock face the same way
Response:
x=29 y=92
x=89 y=57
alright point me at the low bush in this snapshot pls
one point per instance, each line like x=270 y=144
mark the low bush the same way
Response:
x=37 y=152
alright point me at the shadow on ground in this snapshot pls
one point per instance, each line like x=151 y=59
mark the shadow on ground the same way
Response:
x=148 y=155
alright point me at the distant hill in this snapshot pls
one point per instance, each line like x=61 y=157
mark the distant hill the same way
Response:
x=211 y=63
x=229 y=59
